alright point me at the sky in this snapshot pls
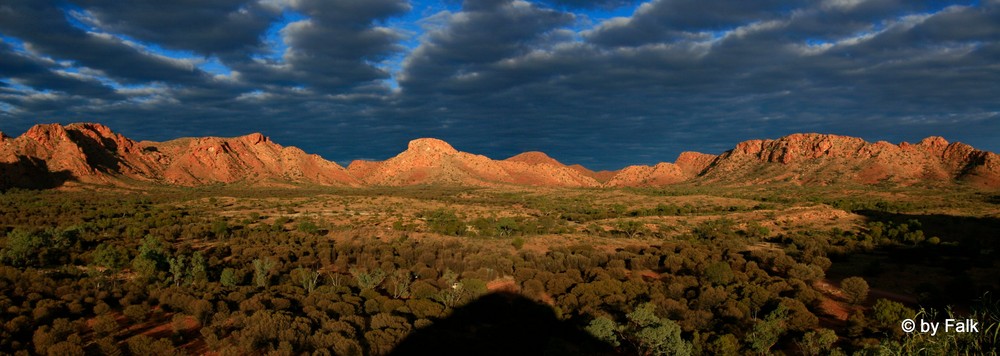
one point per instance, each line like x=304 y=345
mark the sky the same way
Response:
x=603 y=83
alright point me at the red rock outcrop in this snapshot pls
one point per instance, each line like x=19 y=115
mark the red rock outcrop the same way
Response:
x=535 y=157
x=50 y=155
x=361 y=168
x=694 y=163
x=687 y=166
x=92 y=153
x=251 y=158
x=647 y=176
x=432 y=161
x=829 y=159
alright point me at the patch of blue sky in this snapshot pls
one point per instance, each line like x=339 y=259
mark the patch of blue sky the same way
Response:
x=410 y=25
x=77 y=17
x=601 y=14
x=817 y=42
x=13 y=84
x=272 y=37
x=14 y=42
x=213 y=66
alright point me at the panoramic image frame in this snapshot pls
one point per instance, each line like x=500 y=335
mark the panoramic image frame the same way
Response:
x=570 y=177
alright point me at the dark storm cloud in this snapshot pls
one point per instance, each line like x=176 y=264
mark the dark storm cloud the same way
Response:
x=682 y=75
x=474 y=41
x=45 y=28
x=337 y=47
x=38 y=73
x=500 y=76
x=673 y=20
x=590 y=4
x=206 y=27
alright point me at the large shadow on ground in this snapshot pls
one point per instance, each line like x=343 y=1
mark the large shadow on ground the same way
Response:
x=959 y=271
x=970 y=232
x=31 y=173
x=502 y=324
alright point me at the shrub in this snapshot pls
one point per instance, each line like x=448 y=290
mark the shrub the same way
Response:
x=856 y=289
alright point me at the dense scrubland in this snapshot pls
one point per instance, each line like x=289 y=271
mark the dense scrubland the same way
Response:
x=776 y=269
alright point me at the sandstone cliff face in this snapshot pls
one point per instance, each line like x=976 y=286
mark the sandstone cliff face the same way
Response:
x=252 y=158
x=647 y=176
x=88 y=152
x=694 y=163
x=432 y=161
x=92 y=153
x=829 y=159
x=687 y=166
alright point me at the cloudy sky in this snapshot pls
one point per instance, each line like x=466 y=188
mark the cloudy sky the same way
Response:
x=604 y=83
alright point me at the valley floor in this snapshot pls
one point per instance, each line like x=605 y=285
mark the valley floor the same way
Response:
x=682 y=270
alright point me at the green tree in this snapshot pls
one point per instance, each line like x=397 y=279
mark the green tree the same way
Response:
x=110 y=256
x=719 y=273
x=765 y=333
x=605 y=330
x=368 y=280
x=151 y=257
x=453 y=290
x=309 y=279
x=220 y=228
x=506 y=227
x=888 y=314
x=725 y=344
x=199 y=269
x=648 y=333
x=177 y=268
x=817 y=342
x=262 y=271
x=445 y=222
x=38 y=247
x=630 y=228
x=856 y=289
x=517 y=242
x=228 y=277
x=308 y=227
x=654 y=335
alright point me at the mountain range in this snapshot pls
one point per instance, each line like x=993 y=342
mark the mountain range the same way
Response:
x=53 y=155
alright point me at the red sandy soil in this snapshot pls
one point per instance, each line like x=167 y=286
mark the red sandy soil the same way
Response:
x=161 y=325
x=505 y=284
x=836 y=308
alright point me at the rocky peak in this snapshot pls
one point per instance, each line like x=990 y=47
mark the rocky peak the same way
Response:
x=534 y=157
x=797 y=147
x=46 y=134
x=431 y=146
x=934 y=141
x=256 y=138
x=99 y=129
x=693 y=163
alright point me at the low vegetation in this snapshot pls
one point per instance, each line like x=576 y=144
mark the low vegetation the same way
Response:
x=685 y=271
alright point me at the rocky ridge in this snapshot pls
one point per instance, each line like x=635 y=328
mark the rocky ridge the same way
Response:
x=53 y=155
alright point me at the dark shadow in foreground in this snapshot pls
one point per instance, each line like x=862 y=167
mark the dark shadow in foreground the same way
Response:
x=31 y=173
x=502 y=324
x=955 y=272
